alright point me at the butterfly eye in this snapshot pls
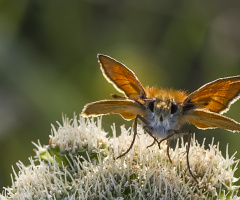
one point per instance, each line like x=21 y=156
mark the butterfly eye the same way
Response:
x=174 y=107
x=151 y=106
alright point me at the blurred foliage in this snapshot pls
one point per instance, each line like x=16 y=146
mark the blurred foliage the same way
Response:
x=48 y=62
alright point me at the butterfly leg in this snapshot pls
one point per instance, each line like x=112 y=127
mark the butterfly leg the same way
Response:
x=149 y=130
x=167 y=138
x=168 y=146
x=188 y=148
x=152 y=143
x=134 y=134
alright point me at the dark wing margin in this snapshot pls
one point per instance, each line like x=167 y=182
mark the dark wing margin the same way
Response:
x=216 y=96
x=122 y=78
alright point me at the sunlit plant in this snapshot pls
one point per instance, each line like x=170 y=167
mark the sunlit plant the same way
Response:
x=80 y=163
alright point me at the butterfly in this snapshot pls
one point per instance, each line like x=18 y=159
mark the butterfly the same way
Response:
x=163 y=111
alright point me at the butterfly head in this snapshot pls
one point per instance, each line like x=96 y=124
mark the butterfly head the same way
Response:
x=163 y=109
x=163 y=114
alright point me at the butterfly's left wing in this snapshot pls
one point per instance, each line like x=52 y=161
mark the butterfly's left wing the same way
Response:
x=216 y=96
x=204 y=119
x=203 y=108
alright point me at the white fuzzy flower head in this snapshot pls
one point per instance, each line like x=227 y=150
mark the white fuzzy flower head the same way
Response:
x=80 y=163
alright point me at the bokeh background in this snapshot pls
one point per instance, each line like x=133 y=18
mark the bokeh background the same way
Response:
x=48 y=60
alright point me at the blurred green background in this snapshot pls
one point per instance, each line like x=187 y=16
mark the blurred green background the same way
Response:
x=48 y=63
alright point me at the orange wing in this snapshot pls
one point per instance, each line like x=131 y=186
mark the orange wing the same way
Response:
x=121 y=77
x=128 y=109
x=216 y=96
x=207 y=120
